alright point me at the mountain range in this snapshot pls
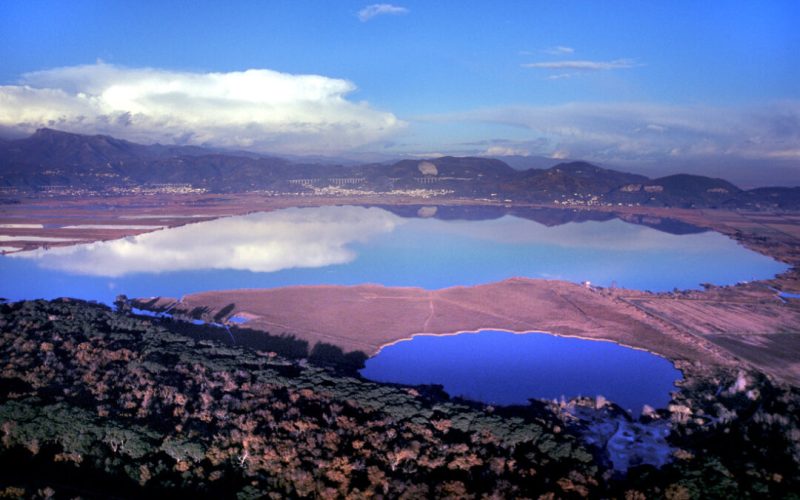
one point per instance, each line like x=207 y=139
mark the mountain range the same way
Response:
x=51 y=159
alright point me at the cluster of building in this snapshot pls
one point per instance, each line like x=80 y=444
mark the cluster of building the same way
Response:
x=588 y=200
x=153 y=189
x=342 y=191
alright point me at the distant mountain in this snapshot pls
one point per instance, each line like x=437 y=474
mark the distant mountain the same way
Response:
x=683 y=190
x=575 y=178
x=52 y=148
x=50 y=159
x=54 y=158
x=447 y=167
x=518 y=162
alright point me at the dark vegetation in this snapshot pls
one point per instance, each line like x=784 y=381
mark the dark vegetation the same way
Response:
x=211 y=328
x=50 y=158
x=123 y=401
x=737 y=435
x=96 y=403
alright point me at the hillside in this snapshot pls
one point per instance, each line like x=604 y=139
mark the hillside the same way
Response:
x=575 y=178
x=682 y=190
x=59 y=162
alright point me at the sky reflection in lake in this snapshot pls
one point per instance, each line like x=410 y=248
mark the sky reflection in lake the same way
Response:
x=505 y=368
x=262 y=242
x=353 y=245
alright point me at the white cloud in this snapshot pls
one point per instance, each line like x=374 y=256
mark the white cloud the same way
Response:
x=582 y=65
x=561 y=76
x=559 y=50
x=505 y=151
x=426 y=155
x=258 y=109
x=642 y=131
x=785 y=154
x=379 y=9
x=263 y=242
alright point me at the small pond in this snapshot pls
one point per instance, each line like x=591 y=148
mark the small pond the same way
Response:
x=504 y=368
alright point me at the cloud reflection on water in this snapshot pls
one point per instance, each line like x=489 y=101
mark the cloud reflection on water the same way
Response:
x=262 y=242
x=359 y=245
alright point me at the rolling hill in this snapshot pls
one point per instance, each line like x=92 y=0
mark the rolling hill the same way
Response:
x=53 y=159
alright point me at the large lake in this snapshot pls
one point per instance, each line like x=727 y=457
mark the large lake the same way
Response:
x=504 y=368
x=425 y=247
x=354 y=245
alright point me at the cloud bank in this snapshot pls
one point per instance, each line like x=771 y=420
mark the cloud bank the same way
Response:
x=505 y=151
x=641 y=131
x=258 y=109
x=380 y=9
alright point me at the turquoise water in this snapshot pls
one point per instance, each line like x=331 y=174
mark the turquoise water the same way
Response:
x=504 y=368
x=353 y=245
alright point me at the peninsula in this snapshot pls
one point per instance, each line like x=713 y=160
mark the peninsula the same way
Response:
x=714 y=327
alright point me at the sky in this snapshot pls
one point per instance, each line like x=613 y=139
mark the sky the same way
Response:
x=707 y=86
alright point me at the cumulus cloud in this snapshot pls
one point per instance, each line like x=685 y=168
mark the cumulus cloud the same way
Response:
x=583 y=65
x=257 y=109
x=263 y=242
x=641 y=131
x=379 y=9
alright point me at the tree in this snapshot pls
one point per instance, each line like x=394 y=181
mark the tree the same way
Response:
x=122 y=304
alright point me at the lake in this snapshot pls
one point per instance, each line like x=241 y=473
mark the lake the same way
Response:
x=504 y=368
x=428 y=247
x=424 y=247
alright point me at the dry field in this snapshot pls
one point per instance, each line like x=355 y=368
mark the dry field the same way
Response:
x=749 y=321
x=367 y=317
x=727 y=328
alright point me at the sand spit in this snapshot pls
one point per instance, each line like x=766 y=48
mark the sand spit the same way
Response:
x=367 y=317
x=727 y=326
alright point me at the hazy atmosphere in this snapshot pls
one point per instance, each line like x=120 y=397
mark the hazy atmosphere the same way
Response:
x=703 y=88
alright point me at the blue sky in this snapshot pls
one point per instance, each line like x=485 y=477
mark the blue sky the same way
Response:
x=616 y=82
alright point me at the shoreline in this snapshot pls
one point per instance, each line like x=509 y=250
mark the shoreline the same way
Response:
x=687 y=326
x=673 y=363
x=741 y=323
x=524 y=332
